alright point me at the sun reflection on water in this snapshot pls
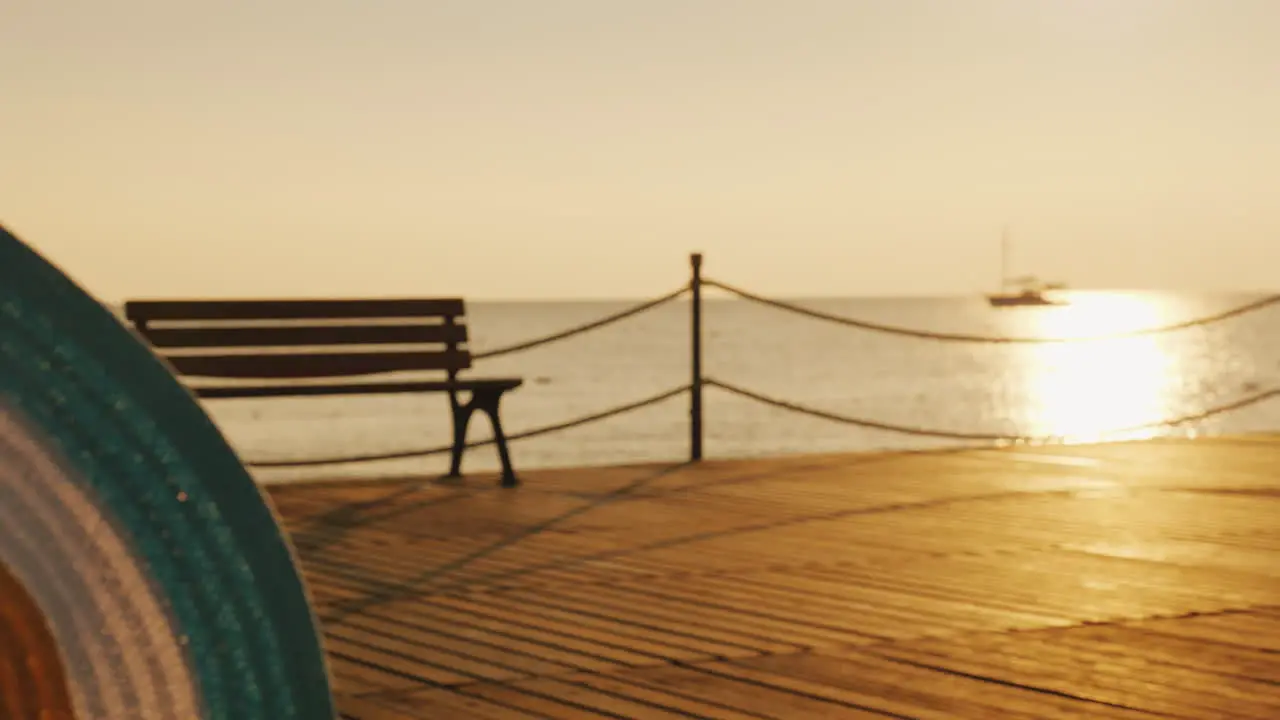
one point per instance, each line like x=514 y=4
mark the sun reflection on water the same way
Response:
x=1086 y=391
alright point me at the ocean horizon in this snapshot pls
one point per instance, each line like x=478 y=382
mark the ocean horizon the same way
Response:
x=1077 y=391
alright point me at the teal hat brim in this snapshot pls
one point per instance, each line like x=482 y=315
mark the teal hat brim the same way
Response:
x=93 y=425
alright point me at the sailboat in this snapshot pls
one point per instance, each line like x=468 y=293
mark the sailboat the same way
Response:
x=1024 y=291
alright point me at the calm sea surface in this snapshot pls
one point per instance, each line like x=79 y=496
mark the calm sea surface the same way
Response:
x=1075 y=389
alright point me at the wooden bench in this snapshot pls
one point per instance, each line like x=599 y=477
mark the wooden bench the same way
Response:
x=278 y=348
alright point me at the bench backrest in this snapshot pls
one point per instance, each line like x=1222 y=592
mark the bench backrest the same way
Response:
x=304 y=339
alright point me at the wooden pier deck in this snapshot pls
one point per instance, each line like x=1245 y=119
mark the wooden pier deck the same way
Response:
x=1136 y=580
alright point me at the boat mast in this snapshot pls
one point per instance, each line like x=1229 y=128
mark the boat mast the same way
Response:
x=1004 y=257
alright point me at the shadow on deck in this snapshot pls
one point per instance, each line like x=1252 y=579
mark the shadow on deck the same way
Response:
x=1132 y=580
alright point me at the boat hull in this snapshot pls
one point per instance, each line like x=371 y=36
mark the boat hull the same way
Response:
x=1028 y=299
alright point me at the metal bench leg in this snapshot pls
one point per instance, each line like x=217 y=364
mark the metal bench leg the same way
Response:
x=489 y=402
x=461 y=418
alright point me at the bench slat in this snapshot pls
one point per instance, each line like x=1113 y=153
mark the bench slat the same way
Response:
x=303 y=335
x=147 y=310
x=316 y=365
x=428 y=386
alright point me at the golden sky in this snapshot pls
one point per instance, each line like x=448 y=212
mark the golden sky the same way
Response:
x=581 y=148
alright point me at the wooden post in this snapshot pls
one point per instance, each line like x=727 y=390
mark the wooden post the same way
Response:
x=695 y=393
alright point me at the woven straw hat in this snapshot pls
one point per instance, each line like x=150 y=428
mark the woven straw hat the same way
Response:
x=142 y=573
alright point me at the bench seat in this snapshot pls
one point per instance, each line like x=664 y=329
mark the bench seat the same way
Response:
x=226 y=349
x=361 y=388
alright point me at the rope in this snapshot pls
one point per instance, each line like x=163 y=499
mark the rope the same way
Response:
x=960 y=337
x=986 y=437
x=594 y=325
x=405 y=454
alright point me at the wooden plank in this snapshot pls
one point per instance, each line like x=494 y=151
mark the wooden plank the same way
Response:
x=768 y=696
x=692 y=704
x=1225 y=633
x=621 y=653
x=395 y=645
x=371 y=656
x=361 y=708
x=504 y=651
x=291 y=309
x=316 y=365
x=303 y=335
x=442 y=704
x=353 y=677
x=804 y=631
x=1037 y=660
x=922 y=692
x=553 y=699
x=686 y=640
x=616 y=637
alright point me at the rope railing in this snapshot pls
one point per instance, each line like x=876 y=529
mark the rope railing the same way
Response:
x=962 y=337
x=698 y=380
x=1253 y=399
x=427 y=452
x=587 y=327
